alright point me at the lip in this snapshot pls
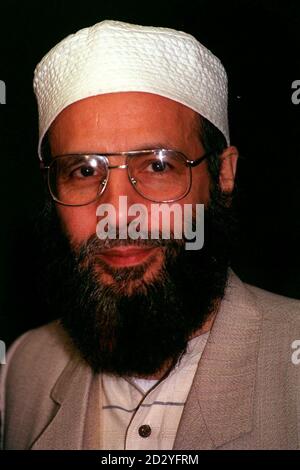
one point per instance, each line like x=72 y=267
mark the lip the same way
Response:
x=126 y=256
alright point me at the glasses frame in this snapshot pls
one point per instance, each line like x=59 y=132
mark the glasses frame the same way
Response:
x=131 y=153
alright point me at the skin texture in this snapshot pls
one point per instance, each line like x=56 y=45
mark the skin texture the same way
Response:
x=128 y=121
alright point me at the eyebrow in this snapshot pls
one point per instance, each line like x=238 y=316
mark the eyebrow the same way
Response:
x=154 y=145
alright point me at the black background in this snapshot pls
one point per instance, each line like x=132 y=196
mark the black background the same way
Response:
x=259 y=44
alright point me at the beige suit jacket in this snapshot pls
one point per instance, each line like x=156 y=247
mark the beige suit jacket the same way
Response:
x=245 y=394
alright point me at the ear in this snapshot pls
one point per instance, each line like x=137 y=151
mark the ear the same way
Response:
x=229 y=159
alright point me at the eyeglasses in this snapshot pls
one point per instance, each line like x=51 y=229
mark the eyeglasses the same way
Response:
x=159 y=175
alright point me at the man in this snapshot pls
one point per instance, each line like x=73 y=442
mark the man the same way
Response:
x=156 y=346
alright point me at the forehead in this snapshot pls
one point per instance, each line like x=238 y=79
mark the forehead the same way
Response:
x=125 y=116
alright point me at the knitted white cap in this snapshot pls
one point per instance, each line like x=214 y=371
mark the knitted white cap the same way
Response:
x=112 y=56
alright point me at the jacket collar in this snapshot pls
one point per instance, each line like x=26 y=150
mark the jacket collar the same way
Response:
x=219 y=407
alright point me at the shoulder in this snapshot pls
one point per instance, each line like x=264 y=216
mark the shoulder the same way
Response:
x=280 y=328
x=36 y=358
x=275 y=307
x=34 y=362
x=270 y=306
x=277 y=315
x=47 y=343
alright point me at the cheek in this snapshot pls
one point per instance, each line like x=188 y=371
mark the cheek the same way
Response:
x=79 y=223
x=172 y=217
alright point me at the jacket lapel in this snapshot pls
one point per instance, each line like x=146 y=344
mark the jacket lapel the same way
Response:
x=67 y=429
x=219 y=407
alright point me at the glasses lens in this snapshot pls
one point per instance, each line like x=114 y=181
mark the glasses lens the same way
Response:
x=77 y=179
x=160 y=175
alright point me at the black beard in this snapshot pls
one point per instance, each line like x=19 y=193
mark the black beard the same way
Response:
x=137 y=332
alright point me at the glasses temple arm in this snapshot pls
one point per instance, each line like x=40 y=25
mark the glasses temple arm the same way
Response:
x=193 y=163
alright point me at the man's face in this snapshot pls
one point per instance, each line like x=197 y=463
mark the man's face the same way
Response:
x=121 y=122
x=131 y=306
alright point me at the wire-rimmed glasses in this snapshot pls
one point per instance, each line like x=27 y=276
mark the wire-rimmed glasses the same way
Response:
x=159 y=175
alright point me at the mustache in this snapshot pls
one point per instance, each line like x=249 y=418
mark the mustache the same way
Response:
x=89 y=251
x=94 y=245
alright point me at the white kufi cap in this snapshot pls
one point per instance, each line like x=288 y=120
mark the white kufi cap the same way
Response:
x=112 y=56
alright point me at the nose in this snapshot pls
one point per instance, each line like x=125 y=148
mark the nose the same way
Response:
x=118 y=186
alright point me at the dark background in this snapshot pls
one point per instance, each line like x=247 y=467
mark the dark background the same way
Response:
x=259 y=44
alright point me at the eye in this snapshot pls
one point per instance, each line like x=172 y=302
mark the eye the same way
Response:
x=85 y=171
x=158 y=166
